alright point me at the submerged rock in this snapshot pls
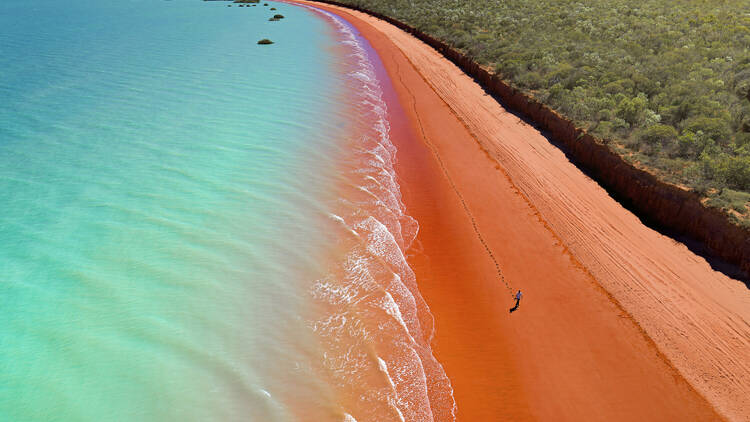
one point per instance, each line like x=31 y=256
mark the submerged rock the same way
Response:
x=278 y=16
x=265 y=41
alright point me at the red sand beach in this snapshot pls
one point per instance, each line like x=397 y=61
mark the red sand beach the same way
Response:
x=617 y=321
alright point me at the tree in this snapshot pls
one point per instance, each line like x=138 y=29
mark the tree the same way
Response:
x=631 y=109
x=658 y=133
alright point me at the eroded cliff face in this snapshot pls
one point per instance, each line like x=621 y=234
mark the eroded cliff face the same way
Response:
x=665 y=205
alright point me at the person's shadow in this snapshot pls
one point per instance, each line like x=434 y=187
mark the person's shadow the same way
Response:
x=513 y=309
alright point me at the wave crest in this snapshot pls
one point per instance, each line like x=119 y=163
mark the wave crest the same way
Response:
x=375 y=327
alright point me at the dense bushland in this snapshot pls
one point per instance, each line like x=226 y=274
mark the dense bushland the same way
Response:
x=666 y=83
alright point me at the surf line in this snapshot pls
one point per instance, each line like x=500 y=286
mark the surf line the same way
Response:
x=434 y=150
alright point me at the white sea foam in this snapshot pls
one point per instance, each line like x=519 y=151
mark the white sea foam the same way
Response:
x=375 y=321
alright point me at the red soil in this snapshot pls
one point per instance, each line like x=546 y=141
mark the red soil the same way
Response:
x=568 y=353
x=598 y=336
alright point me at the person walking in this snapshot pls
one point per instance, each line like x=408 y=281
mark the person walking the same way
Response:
x=518 y=297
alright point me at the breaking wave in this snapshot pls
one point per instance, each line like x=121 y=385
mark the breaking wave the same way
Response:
x=374 y=325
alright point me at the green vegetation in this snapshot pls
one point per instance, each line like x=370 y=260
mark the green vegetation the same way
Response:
x=736 y=204
x=665 y=82
x=265 y=41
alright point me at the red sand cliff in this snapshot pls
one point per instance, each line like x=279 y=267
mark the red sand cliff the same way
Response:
x=667 y=205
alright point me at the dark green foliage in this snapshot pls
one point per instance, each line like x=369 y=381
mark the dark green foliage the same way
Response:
x=669 y=79
x=658 y=133
x=265 y=41
x=714 y=128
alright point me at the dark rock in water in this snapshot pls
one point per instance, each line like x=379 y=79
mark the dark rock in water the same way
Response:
x=273 y=19
x=265 y=41
x=278 y=16
x=265 y=4
x=273 y=8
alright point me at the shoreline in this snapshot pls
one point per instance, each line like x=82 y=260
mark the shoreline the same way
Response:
x=474 y=206
x=667 y=208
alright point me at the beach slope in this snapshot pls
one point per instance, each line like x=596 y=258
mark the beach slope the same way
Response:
x=617 y=323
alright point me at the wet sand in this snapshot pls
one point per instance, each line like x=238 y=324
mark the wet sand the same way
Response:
x=617 y=321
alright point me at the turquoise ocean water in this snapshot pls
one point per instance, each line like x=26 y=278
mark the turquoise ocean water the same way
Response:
x=159 y=178
x=168 y=189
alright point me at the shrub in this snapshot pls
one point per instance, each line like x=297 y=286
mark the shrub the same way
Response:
x=603 y=129
x=631 y=109
x=731 y=199
x=714 y=128
x=658 y=133
x=619 y=86
x=531 y=80
x=742 y=139
x=734 y=171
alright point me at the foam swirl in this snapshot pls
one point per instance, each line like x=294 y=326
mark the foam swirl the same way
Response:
x=376 y=327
